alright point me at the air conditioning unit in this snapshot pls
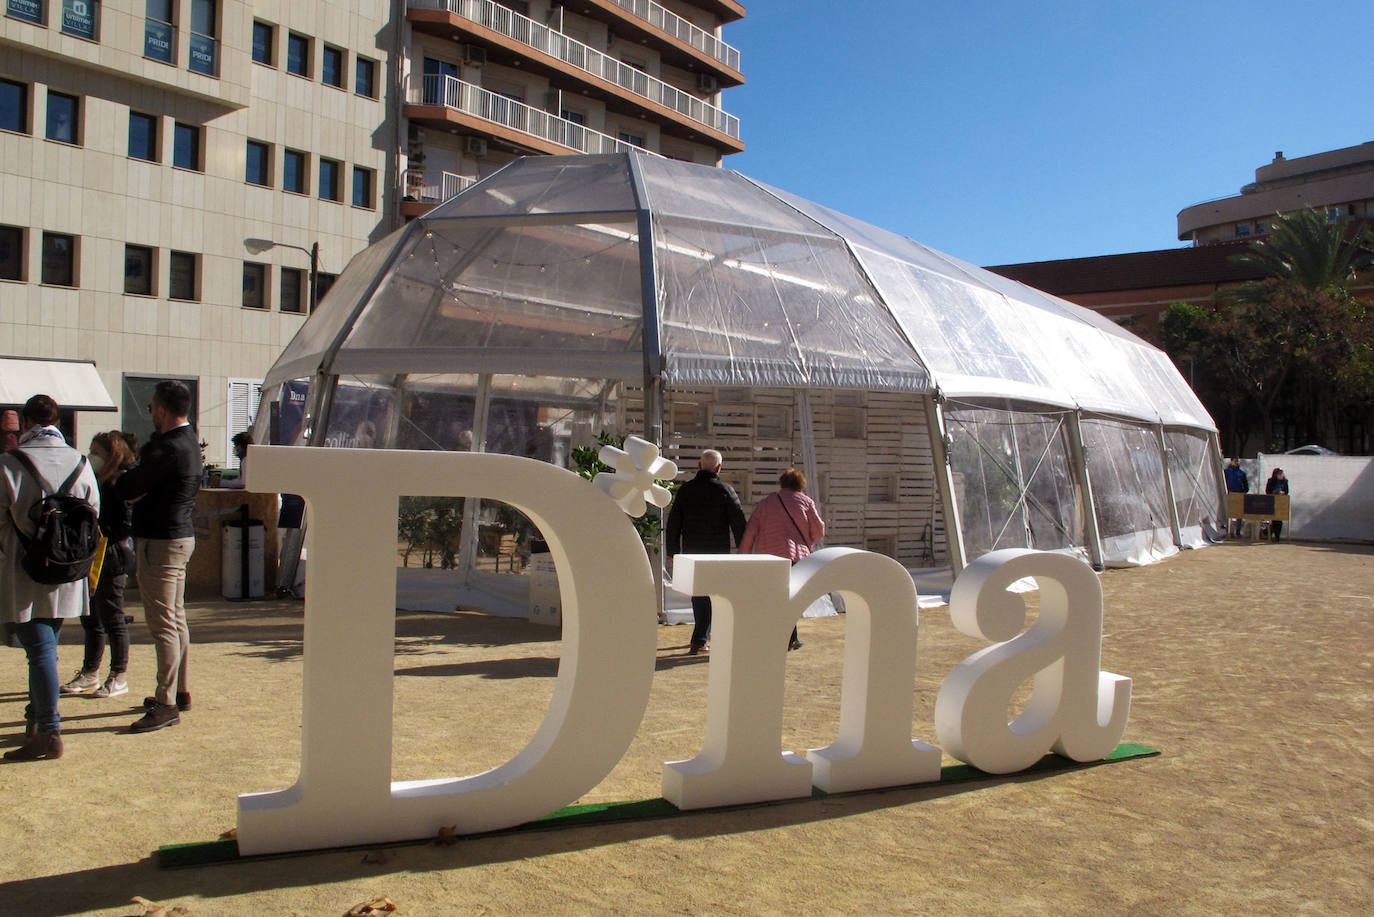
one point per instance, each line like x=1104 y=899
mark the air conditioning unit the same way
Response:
x=707 y=82
x=476 y=146
x=474 y=55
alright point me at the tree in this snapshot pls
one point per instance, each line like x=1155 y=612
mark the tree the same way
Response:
x=1296 y=344
x=1310 y=252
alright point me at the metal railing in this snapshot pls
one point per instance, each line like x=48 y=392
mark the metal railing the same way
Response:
x=450 y=185
x=666 y=20
x=453 y=93
x=571 y=51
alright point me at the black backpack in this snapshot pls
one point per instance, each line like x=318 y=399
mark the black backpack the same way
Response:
x=68 y=535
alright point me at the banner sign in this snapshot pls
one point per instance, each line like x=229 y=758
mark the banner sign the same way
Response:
x=27 y=10
x=345 y=795
x=81 y=18
x=157 y=40
x=203 y=55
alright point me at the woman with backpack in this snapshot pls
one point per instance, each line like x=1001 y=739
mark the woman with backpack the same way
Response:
x=42 y=481
x=110 y=458
x=785 y=524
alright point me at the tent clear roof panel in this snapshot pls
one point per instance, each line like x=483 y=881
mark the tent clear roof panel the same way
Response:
x=781 y=310
x=318 y=335
x=717 y=196
x=546 y=184
x=541 y=287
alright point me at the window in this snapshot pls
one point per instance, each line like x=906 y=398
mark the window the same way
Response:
x=186 y=146
x=59 y=259
x=332 y=66
x=143 y=136
x=181 y=280
x=264 y=36
x=365 y=77
x=204 y=29
x=634 y=139
x=14 y=107
x=11 y=253
x=254 y=285
x=135 y=394
x=293 y=176
x=323 y=282
x=138 y=270
x=258 y=169
x=292 y=279
x=298 y=55
x=63 y=113
x=159 y=35
x=362 y=187
x=27 y=10
x=81 y=18
x=329 y=180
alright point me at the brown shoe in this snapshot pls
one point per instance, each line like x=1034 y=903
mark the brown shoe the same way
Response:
x=157 y=716
x=44 y=746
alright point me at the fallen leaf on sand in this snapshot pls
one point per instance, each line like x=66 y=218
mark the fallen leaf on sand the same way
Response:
x=375 y=906
x=153 y=909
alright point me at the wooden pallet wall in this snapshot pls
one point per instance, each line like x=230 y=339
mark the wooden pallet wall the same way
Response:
x=877 y=487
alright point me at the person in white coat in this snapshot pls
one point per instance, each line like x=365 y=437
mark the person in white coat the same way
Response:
x=34 y=611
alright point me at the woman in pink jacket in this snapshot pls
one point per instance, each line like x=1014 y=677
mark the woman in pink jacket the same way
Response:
x=785 y=524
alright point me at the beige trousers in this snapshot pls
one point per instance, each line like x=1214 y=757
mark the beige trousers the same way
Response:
x=162 y=584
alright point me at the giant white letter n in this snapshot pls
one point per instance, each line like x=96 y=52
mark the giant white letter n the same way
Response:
x=756 y=600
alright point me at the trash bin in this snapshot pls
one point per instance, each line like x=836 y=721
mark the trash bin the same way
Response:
x=241 y=566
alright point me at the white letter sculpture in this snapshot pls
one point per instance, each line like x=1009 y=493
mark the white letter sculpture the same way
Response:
x=1074 y=709
x=345 y=794
x=756 y=601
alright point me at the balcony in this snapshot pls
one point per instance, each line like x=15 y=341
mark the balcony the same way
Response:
x=688 y=33
x=421 y=197
x=447 y=101
x=590 y=62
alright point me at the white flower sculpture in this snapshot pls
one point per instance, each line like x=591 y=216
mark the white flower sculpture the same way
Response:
x=632 y=485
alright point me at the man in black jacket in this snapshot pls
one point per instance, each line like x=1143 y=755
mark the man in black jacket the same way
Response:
x=165 y=483
x=704 y=516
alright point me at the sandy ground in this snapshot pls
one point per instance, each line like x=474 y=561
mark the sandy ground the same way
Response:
x=1252 y=675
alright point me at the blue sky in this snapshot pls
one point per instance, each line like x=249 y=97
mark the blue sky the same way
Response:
x=1026 y=131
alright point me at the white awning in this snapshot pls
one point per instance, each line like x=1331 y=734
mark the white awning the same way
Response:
x=73 y=384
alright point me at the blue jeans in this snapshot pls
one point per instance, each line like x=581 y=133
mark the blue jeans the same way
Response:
x=39 y=639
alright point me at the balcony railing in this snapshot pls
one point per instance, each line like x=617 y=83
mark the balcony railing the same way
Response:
x=667 y=21
x=554 y=43
x=454 y=94
x=450 y=185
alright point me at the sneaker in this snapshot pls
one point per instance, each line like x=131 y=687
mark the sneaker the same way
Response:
x=81 y=682
x=114 y=686
x=157 y=717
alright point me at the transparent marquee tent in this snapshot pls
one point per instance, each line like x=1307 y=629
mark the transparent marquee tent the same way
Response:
x=940 y=411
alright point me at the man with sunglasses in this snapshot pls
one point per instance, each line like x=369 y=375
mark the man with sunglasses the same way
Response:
x=163 y=487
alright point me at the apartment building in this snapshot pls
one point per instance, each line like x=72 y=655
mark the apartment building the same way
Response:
x=171 y=170
x=1339 y=182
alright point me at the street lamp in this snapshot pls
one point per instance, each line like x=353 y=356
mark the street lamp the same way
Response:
x=258 y=246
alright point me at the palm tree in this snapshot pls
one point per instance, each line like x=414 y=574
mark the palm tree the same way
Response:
x=1310 y=335
x=1309 y=251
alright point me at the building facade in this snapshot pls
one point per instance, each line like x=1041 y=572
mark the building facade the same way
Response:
x=1338 y=182
x=170 y=170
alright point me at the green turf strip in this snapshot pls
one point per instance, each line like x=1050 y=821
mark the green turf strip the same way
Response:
x=227 y=850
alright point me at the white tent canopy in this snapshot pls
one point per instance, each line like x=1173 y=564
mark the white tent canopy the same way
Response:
x=621 y=279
